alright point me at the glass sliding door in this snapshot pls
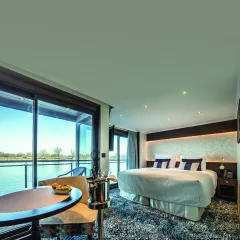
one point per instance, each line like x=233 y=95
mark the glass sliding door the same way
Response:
x=56 y=140
x=117 y=157
x=16 y=124
x=64 y=140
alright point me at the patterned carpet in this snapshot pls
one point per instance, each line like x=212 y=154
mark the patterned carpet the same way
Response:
x=128 y=220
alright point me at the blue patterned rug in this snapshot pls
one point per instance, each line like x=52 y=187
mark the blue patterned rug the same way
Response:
x=132 y=221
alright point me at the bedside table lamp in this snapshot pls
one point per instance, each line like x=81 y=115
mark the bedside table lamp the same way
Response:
x=222 y=168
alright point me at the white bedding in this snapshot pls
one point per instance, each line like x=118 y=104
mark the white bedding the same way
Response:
x=191 y=188
x=214 y=177
x=209 y=172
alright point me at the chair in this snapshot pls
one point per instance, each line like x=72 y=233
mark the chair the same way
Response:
x=78 y=220
x=79 y=171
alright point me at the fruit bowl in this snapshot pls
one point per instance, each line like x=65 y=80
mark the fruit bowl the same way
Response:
x=61 y=189
x=61 y=192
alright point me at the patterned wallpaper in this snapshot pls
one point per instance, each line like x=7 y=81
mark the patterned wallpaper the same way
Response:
x=215 y=146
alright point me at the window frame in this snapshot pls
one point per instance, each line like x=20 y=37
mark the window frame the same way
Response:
x=16 y=83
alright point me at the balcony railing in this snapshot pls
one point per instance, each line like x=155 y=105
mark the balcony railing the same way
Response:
x=16 y=175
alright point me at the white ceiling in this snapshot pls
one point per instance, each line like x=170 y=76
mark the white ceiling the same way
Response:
x=132 y=53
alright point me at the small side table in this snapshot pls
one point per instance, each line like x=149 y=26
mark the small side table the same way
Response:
x=227 y=189
x=34 y=204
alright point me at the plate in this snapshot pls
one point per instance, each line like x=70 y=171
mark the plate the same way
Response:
x=61 y=192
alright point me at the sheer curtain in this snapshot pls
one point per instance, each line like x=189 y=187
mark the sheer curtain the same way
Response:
x=132 y=150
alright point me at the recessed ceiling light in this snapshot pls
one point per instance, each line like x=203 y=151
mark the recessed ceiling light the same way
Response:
x=121 y=115
x=21 y=98
x=184 y=92
x=199 y=113
x=146 y=106
x=168 y=119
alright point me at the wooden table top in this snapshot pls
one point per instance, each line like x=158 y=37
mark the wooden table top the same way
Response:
x=28 y=205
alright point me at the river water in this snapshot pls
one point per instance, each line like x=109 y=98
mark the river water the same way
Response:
x=12 y=178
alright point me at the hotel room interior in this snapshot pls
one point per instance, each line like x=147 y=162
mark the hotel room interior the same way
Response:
x=120 y=120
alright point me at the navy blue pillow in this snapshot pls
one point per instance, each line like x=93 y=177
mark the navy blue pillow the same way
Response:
x=160 y=161
x=189 y=162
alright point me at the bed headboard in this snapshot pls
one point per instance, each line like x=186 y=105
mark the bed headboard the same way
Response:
x=214 y=166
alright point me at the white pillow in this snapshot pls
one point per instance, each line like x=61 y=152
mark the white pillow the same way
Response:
x=155 y=164
x=172 y=163
x=194 y=166
x=164 y=165
x=203 y=163
x=181 y=165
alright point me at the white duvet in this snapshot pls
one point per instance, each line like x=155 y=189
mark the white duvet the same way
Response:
x=191 y=188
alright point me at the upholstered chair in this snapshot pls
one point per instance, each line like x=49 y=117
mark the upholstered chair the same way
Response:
x=78 y=220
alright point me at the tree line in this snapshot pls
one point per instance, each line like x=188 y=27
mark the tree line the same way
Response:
x=43 y=154
x=56 y=154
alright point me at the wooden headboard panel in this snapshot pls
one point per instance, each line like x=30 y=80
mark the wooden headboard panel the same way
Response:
x=228 y=166
x=214 y=166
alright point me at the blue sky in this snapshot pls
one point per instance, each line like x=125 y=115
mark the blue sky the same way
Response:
x=16 y=133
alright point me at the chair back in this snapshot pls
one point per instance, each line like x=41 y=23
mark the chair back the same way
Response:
x=79 y=182
x=79 y=171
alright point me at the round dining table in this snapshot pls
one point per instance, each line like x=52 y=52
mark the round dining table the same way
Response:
x=35 y=204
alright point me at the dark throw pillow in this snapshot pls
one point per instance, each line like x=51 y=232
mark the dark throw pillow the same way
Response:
x=160 y=162
x=189 y=163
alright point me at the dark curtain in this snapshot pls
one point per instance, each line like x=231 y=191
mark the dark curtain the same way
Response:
x=132 y=150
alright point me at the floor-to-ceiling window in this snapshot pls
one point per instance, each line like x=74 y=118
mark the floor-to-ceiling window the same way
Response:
x=44 y=132
x=123 y=153
x=15 y=142
x=64 y=141
x=117 y=157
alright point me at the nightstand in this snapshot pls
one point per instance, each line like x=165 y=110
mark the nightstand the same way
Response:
x=227 y=189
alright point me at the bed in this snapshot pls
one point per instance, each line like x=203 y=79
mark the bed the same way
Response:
x=179 y=192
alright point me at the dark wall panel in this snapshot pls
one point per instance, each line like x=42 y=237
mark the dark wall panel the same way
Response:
x=219 y=127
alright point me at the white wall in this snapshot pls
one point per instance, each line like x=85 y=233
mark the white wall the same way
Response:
x=104 y=112
x=104 y=136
